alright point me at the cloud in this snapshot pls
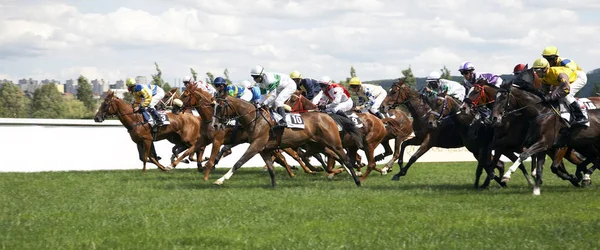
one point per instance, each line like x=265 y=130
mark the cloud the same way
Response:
x=62 y=39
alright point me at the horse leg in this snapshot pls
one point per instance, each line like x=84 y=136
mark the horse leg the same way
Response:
x=269 y=161
x=216 y=145
x=538 y=177
x=512 y=157
x=153 y=153
x=388 y=166
x=347 y=162
x=294 y=155
x=147 y=149
x=252 y=150
x=225 y=151
x=371 y=163
x=388 y=150
x=281 y=161
x=539 y=146
x=559 y=169
x=425 y=146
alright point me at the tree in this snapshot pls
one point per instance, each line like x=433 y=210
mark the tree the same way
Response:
x=13 y=104
x=211 y=77
x=446 y=73
x=157 y=78
x=75 y=109
x=85 y=93
x=128 y=97
x=352 y=71
x=48 y=102
x=410 y=79
x=166 y=86
x=226 y=74
x=194 y=74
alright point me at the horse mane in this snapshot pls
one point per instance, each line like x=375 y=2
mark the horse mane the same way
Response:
x=526 y=80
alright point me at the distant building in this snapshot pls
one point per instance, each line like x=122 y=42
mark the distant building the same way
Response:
x=141 y=80
x=120 y=84
x=99 y=86
x=46 y=81
x=71 y=87
x=119 y=92
x=29 y=85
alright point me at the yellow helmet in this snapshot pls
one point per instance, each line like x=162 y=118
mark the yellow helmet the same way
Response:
x=295 y=74
x=541 y=63
x=354 y=81
x=550 y=51
x=130 y=82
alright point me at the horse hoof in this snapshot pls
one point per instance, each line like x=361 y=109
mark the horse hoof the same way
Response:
x=505 y=179
x=186 y=161
x=330 y=176
x=218 y=182
x=359 y=174
x=396 y=178
x=536 y=191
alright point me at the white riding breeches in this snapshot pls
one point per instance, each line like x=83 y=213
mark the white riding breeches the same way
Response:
x=578 y=84
x=378 y=101
x=247 y=95
x=279 y=95
x=160 y=93
x=343 y=106
x=317 y=98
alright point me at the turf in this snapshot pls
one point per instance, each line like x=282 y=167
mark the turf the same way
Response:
x=434 y=206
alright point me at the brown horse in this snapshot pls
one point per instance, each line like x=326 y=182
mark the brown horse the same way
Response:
x=320 y=132
x=399 y=128
x=182 y=130
x=373 y=129
x=548 y=126
x=231 y=136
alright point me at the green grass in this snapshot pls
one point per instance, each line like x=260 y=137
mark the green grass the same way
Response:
x=434 y=206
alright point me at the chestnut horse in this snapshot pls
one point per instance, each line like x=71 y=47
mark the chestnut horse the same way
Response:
x=202 y=102
x=373 y=129
x=182 y=130
x=547 y=125
x=320 y=132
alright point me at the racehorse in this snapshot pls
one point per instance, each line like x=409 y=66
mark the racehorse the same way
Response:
x=373 y=129
x=510 y=136
x=320 y=132
x=547 y=125
x=399 y=128
x=427 y=138
x=202 y=102
x=182 y=130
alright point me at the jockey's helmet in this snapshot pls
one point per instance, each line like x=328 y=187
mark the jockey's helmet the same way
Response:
x=295 y=74
x=355 y=81
x=541 y=63
x=433 y=76
x=466 y=67
x=130 y=82
x=324 y=81
x=219 y=81
x=550 y=51
x=187 y=79
x=257 y=71
x=518 y=68
x=246 y=84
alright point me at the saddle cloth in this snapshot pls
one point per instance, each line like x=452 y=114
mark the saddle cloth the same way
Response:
x=293 y=120
x=354 y=117
x=162 y=115
x=584 y=103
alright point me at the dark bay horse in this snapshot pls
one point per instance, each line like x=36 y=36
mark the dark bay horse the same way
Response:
x=510 y=136
x=230 y=136
x=426 y=137
x=182 y=130
x=399 y=128
x=547 y=126
x=373 y=130
x=320 y=132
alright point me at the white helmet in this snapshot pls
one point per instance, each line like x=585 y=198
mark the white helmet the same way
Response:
x=325 y=80
x=187 y=79
x=257 y=70
x=246 y=84
x=433 y=76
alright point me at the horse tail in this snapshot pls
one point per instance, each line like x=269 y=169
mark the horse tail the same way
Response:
x=348 y=125
x=394 y=126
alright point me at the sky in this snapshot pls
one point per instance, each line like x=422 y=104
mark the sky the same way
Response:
x=116 y=39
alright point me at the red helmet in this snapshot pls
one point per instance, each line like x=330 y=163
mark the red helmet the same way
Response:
x=520 y=67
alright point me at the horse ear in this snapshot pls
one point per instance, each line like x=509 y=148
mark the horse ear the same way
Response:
x=110 y=93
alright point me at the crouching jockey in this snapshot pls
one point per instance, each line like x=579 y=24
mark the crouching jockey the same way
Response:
x=369 y=96
x=146 y=97
x=233 y=90
x=550 y=53
x=438 y=87
x=335 y=99
x=281 y=88
x=467 y=70
x=311 y=86
x=559 y=77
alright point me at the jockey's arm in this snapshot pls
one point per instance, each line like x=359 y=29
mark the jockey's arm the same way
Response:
x=336 y=100
x=147 y=97
x=562 y=89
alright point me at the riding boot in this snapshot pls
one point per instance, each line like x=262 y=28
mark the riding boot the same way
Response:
x=157 y=118
x=579 y=118
x=281 y=112
x=342 y=113
x=380 y=115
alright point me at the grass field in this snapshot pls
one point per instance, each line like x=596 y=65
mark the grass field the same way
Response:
x=434 y=206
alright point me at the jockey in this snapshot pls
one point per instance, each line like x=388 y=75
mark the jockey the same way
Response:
x=190 y=83
x=368 y=95
x=311 y=86
x=281 y=88
x=336 y=95
x=146 y=97
x=561 y=78
x=519 y=67
x=233 y=90
x=471 y=77
x=550 y=53
x=437 y=86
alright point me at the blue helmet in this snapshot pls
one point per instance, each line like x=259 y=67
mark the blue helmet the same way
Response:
x=219 y=81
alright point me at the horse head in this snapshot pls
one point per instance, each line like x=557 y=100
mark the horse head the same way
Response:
x=441 y=108
x=398 y=94
x=501 y=103
x=527 y=80
x=479 y=95
x=107 y=108
x=299 y=103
